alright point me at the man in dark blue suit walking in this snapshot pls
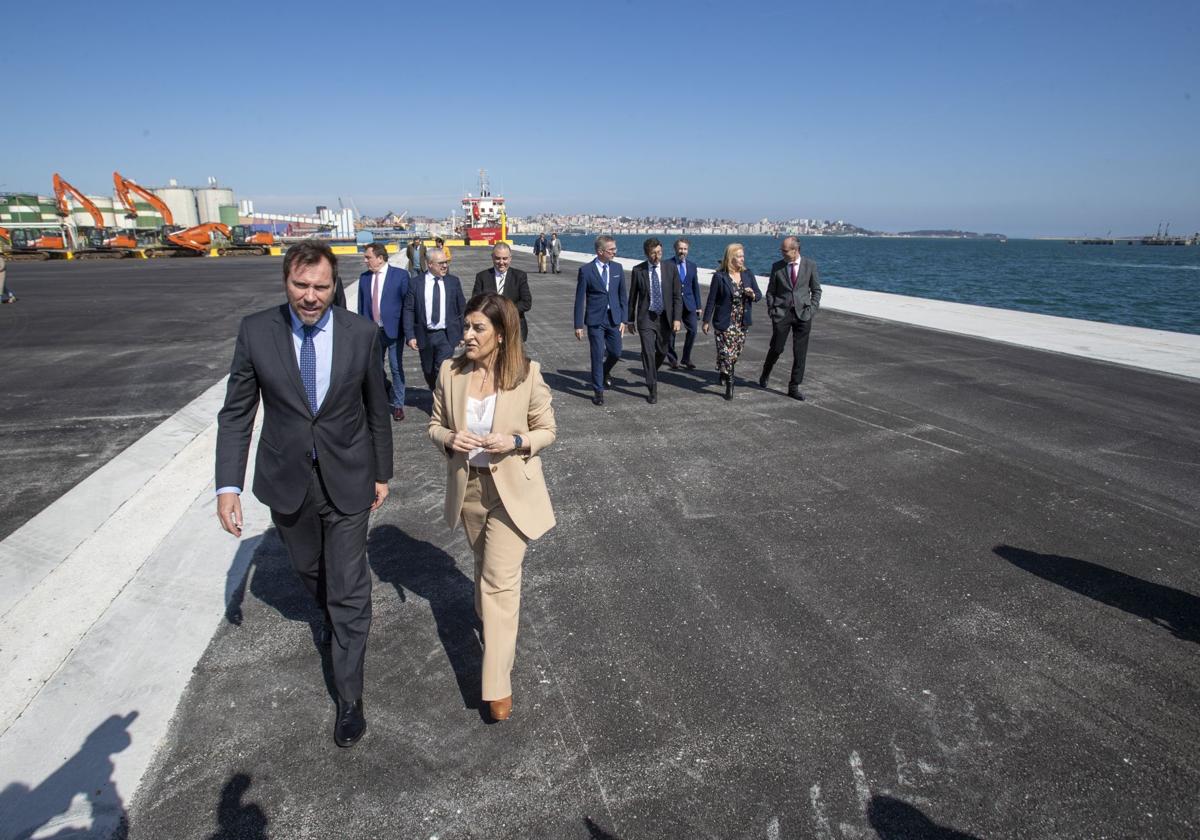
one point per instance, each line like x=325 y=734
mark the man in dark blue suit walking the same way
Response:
x=433 y=314
x=381 y=291
x=690 y=288
x=600 y=304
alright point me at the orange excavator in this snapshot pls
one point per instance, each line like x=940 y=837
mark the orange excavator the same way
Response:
x=29 y=243
x=198 y=239
x=98 y=241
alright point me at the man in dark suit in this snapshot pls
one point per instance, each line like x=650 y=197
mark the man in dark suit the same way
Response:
x=654 y=306
x=324 y=456
x=512 y=283
x=689 y=283
x=433 y=314
x=381 y=291
x=600 y=303
x=793 y=297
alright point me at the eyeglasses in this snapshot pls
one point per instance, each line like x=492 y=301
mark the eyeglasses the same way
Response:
x=440 y=262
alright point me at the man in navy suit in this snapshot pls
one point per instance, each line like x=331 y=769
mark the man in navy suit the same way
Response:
x=381 y=291
x=600 y=303
x=690 y=288
x=654 y=302
x=433 y=314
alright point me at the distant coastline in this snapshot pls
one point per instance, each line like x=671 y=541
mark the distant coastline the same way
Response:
x=588 y=224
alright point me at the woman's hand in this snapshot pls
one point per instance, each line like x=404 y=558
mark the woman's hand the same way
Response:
x=748 y=291
x=498 y=444
x=463 y=441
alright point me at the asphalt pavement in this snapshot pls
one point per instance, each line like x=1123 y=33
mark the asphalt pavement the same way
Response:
x=951 y=595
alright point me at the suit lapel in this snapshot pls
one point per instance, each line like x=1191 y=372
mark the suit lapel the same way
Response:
x=458 y=392
x=340 y=366
x=287 y=353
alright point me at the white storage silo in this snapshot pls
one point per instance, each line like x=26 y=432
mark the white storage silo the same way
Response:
x=182 y=202
x=104 y=203
x=210 y=200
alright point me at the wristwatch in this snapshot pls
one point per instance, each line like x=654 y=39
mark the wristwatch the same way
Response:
x=518 y=442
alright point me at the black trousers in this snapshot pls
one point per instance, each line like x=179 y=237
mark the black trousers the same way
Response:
x=655 y=337
x=437 y=349
x=789 y=325
x=328 y=549
x=690 y=323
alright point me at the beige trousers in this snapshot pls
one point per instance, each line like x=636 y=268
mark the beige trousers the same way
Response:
x=499 y=550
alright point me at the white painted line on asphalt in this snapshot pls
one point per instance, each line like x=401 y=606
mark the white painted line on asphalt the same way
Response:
x=1158 y=350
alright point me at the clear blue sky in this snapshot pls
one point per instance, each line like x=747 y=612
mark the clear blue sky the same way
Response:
x=1017 y=117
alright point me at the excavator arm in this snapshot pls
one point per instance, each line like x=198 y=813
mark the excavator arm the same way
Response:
x=62 y=188
x=198 y=238
x=124 y=187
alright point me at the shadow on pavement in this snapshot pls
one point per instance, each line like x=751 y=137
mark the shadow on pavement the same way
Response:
x=595 y=832
x=236 y=819
x=1173 y=609
x=430 y=573
x=25 y=811
x=894 y=819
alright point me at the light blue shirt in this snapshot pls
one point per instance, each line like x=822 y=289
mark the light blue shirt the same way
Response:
x=323 y=344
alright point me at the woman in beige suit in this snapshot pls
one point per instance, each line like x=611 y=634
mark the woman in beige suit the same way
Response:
x=491 y=417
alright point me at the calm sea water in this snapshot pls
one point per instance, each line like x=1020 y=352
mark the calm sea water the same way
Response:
x=1156 y=287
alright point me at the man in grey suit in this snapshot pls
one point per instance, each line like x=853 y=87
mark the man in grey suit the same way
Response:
x=793 y=298
x=655 y=305
x=324 y=456
x=503 y=279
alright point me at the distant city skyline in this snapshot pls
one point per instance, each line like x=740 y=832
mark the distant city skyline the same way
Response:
x=1015 y=117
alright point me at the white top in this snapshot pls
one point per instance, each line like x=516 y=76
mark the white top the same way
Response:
x=480 y=416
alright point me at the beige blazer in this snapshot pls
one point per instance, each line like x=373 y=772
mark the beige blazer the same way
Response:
x=524 y=411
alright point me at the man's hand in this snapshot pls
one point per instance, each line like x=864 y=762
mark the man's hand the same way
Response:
x=412 y=342
x=381 y=493
x=229 y=511
x=621 y=327
x=632 y=328
x=579 y=335
x=705 y=328
x=675 y=326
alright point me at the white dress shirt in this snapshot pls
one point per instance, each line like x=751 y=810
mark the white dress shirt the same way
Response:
x=430 y=279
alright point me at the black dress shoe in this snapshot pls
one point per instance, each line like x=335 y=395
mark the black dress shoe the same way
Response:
x=351 y=724
x=653 y=398
x=795 y=394
x=674 y=365
x=689 y=365
x=598 y=398
x=608 y=382
x=325 y=636
x=762 y=380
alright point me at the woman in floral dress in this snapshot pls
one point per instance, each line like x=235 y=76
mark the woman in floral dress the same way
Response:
x=730 y=295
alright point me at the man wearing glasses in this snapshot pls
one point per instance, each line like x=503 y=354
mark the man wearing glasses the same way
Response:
x=433 y=314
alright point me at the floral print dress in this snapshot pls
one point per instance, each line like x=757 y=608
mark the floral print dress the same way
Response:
x=731 y=341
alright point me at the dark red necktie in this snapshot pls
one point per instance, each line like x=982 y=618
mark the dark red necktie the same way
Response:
x=793 y=270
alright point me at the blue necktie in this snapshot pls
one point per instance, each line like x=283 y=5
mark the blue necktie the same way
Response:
x=308 y=372
x=604 y=275
x=655 y=291
x=437 y=303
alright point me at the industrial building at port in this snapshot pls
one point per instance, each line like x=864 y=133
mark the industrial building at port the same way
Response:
x=189 y=205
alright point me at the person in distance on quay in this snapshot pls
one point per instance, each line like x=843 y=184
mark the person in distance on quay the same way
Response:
x=324 y=456
x=554 y=249
x=689 y=284
x=413 y=253
x=381 y=291
x=509 y=282
x=539 y=251
x=793 y=298
x=433 y=314
x=491 y=417
x=730 y=295
x=6 y=295
x=600 y=303
x=654 y=303
x=441 y=245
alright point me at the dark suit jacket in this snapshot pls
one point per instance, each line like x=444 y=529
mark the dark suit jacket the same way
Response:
x=689 y=282
x=639 y=294
x=339 y=293
x=804 y=301
x=516 y=287
x=415 y=317
x=593 y=306
x=719 y=306
x=395 y=287
x=351 y=430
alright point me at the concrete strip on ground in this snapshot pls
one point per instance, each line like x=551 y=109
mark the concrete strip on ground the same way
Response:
x=1157 y=350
